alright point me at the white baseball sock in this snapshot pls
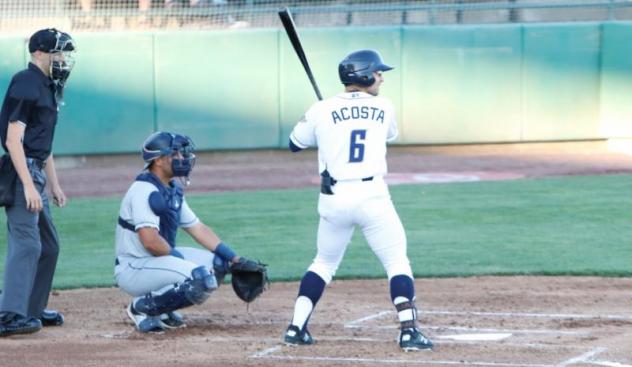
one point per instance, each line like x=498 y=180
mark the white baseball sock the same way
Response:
x=302 y=309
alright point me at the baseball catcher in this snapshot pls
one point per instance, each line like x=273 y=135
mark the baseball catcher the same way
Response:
x=161 y=277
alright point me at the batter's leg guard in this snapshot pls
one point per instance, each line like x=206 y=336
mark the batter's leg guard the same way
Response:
x=193 y=291
x=403 y=295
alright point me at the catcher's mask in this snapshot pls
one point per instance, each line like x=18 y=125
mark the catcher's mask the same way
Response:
x=61 y=48
x=163 y=143
x=358 y=68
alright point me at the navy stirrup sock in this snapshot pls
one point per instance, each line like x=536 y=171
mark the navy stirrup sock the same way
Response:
x=402 y=286
x=312 y=287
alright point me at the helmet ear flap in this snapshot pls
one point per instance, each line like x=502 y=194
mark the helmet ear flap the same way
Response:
x=367 y=80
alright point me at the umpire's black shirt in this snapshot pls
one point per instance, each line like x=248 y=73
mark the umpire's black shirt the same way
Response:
x=30 y=99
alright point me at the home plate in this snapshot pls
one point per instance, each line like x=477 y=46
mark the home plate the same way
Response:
x=476 y=337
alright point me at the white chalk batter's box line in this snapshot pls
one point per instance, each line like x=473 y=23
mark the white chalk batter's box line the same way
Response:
x=585 y=358
x=354 y=323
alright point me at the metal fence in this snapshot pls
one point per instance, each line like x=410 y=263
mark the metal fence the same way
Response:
x=24 y=16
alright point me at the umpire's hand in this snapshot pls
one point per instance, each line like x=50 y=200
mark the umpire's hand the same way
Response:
x=33 y=199
x=59 y=198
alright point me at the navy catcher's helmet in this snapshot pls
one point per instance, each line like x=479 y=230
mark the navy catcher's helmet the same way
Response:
x=358 y=67
x=163 y=143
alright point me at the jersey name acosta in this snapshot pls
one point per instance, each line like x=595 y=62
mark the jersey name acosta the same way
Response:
x=358 y=112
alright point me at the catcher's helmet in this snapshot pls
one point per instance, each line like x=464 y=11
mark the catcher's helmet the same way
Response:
x=163 y=143
x=358 y=67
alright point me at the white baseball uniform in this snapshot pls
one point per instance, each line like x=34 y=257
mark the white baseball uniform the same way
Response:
x=351 y=131
x=138 y=272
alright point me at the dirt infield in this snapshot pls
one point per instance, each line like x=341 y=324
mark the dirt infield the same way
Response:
x=478 y=321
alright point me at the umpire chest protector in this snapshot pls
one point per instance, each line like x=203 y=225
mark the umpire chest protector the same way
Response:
x=166 y=203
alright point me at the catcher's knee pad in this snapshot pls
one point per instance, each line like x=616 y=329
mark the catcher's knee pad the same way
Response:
x=199 y=287
x=192 y=291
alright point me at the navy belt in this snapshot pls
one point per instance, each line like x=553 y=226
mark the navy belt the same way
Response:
x=126 y=225
x=334 y=181
x=36 y=162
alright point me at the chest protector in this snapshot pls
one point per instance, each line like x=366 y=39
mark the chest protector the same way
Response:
x=166 y=203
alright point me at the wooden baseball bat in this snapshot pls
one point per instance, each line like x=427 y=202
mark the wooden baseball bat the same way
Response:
x=290 y=29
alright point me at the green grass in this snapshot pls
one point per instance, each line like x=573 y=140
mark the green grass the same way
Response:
x=555 y=226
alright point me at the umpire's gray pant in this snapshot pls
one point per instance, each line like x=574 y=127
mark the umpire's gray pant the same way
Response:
x=31 y=254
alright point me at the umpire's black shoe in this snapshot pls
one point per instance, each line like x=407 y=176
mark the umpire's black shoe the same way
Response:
x=295 y=336
x=414 y=340
x=51 y=318
x=12 y=323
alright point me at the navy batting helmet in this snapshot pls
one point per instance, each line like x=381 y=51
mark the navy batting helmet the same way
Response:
x=358 y=67
x=163 y=143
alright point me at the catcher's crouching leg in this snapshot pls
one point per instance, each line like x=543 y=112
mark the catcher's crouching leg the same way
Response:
x=193 y=291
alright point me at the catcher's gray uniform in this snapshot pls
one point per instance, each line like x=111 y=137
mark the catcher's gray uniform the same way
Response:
x=139 y=272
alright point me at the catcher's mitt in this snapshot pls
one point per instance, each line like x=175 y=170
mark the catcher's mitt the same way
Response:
x=249 y=279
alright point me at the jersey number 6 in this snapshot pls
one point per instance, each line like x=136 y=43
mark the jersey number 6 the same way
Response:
x=356 y=148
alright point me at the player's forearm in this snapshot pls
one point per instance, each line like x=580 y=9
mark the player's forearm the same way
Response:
x=153 y=242
x=204 y=235
x=51 y=172
x=18 y=157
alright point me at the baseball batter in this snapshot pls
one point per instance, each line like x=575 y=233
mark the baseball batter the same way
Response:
x=351 y=131
x=148 y=266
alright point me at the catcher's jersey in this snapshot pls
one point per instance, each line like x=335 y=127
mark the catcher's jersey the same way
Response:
x=351 y=131
x=136 y=211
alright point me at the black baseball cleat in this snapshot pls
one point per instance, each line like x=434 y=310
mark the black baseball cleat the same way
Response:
x=143 y=322
x=414 y=340
x=12 y=324
x=51 y=318
x=172 y=320
x=295 y=336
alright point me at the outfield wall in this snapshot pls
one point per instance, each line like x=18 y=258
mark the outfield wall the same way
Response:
x=238 y=89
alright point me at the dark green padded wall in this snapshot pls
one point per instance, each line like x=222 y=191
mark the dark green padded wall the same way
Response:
x=240 y=89
x=12 y=59
x=616 y=81
x=220 y=87
x=110 y=95
x=561 y=81
x=461 y=84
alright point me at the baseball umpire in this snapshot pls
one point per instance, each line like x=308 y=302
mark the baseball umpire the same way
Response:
x=351 y=130
x=161 y=277
x=27 y=125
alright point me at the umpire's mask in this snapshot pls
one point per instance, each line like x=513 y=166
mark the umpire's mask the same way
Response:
x=61 y=48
